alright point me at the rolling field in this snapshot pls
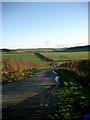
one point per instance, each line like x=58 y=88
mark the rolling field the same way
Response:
x=18 y=66
x=57 y=56
x=31 y=57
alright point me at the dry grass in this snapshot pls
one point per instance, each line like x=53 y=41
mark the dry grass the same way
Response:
x=14 y=70
x=79 y=66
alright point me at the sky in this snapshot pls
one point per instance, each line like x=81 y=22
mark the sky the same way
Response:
x=44 y=24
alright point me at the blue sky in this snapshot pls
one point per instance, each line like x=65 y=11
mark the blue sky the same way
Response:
x=38 y=25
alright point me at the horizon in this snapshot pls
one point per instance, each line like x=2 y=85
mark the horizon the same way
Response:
x=44 y=25
x=45 y=48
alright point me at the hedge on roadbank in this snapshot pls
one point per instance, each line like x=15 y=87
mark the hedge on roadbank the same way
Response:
x=73 y=98
x=80 y=70
x=15 y=70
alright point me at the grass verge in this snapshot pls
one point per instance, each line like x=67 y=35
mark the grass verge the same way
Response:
x=73 y=98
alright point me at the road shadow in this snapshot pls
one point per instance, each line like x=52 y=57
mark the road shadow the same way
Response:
x=39 y=107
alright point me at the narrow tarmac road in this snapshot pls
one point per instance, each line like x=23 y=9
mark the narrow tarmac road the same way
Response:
x=30 y=99
x=16 y=92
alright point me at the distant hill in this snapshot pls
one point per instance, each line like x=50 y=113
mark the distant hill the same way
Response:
x=74 y=49
x=7 y=50
x=71 y=49
x=78 y=49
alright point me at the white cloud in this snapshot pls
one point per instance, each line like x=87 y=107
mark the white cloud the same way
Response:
x=58 y=44
x=52 y=44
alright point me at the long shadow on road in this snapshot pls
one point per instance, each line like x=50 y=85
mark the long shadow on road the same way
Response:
x=37 y=104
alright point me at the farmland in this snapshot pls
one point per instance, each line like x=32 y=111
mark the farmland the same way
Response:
x=18 y=65
x=72 y=97
x=31 y=57
x=59 y=56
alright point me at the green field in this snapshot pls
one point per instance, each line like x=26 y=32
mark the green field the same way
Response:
x=24 y=57
x=23 y=62
x=0 y=56
x=57 y=56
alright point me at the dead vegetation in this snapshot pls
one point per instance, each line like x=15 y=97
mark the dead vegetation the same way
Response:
x=80 y=69
x=14 y=70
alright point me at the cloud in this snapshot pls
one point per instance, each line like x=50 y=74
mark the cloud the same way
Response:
x=53 y=44
x=58 y=44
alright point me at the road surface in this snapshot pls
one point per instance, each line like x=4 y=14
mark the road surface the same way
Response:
x=16 y=92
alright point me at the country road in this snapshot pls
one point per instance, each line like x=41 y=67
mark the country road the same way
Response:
x=16 y=92
x=30 y=99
